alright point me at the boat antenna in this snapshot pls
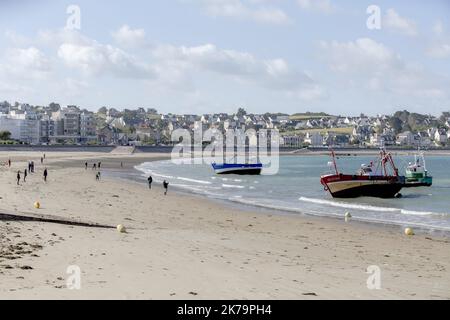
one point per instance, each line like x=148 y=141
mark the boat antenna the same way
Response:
x=422 y=154
x=333 y=155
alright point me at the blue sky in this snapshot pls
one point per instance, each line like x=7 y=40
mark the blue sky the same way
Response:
x=200 y=56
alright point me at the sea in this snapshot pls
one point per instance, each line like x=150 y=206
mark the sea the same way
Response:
x=296 y=189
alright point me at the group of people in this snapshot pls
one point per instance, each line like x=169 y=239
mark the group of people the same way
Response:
x=30 y=169
x=31 y=166
x=165 y=185
x=95 y=166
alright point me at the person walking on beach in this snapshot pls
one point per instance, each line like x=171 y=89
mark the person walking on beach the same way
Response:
x=99 y=165
x=98 y=176
x=9 y=163
x=29 y=166
x=94 y=167
x=86 y=165
x=18 y=178
x=150 y=181
x=32 y=166
x=166 y=187
x=42 y=160
x=25 y=173
x=45 y=174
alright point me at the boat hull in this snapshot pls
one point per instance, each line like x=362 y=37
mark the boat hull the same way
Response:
x=238 y=169
x=419 y=182
x=347 y=186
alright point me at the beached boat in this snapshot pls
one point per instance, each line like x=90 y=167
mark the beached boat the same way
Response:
x=381 y=181
x=240 y=169
x=417 y=173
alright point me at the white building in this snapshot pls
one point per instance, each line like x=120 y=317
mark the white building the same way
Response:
x=292 y=141
x=71 y=124
x=21 y=127
x=407 y=138
x=440 y=137
x=314 y=139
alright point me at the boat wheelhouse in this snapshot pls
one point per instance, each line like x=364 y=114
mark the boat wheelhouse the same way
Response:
x=417 y=173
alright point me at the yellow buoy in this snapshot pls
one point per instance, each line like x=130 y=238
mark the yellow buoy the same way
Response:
x=37 y=205
x=348 y=216
x=121 y=229
x=409 y=232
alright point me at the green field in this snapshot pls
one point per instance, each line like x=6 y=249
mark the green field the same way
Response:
x=346 y=130
x=154 y=117
x=309 y=116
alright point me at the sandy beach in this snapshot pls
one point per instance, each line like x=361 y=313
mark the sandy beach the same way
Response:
x=186 y=247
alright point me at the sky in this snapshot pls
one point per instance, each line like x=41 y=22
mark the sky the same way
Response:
x=207 y=56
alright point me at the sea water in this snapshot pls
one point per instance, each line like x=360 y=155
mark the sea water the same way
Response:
x=297 y=189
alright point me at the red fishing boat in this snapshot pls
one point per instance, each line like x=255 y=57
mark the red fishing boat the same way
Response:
x=379 y=180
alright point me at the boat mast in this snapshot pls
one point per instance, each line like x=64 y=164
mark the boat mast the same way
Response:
x=422 y=155
x=383 y=161
x=424 y=162
x=393 y=165
x=333 y=155
x=385 y=158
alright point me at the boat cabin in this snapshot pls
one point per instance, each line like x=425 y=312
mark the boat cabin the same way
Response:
x=366 y=170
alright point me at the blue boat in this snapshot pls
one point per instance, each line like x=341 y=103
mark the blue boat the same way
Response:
x=240 y=169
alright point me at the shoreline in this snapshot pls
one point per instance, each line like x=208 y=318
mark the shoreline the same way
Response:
x=134 y=175
x=342 y=151
x=178 y=245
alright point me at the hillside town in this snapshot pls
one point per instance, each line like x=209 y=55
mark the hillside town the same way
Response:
x=54 y=124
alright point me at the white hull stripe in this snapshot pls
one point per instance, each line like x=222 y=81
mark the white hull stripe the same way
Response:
x=342 y=185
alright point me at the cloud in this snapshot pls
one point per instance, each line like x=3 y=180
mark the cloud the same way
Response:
x=396 y=23
x=376 y=67
x=244 y=10
x=94 y=58
x=30 y=58
x=439 y=51
x=438 y=28
x=361 y=55
x=16 y=39
x=73 y=87
x=275 y=74
x=171 y=64
x=29 y=63
x=10 y=88
x=129 y=38
x=175 y=66
x=440 y=44
x=312 y=92
x=79 y=60
x=322 y=6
